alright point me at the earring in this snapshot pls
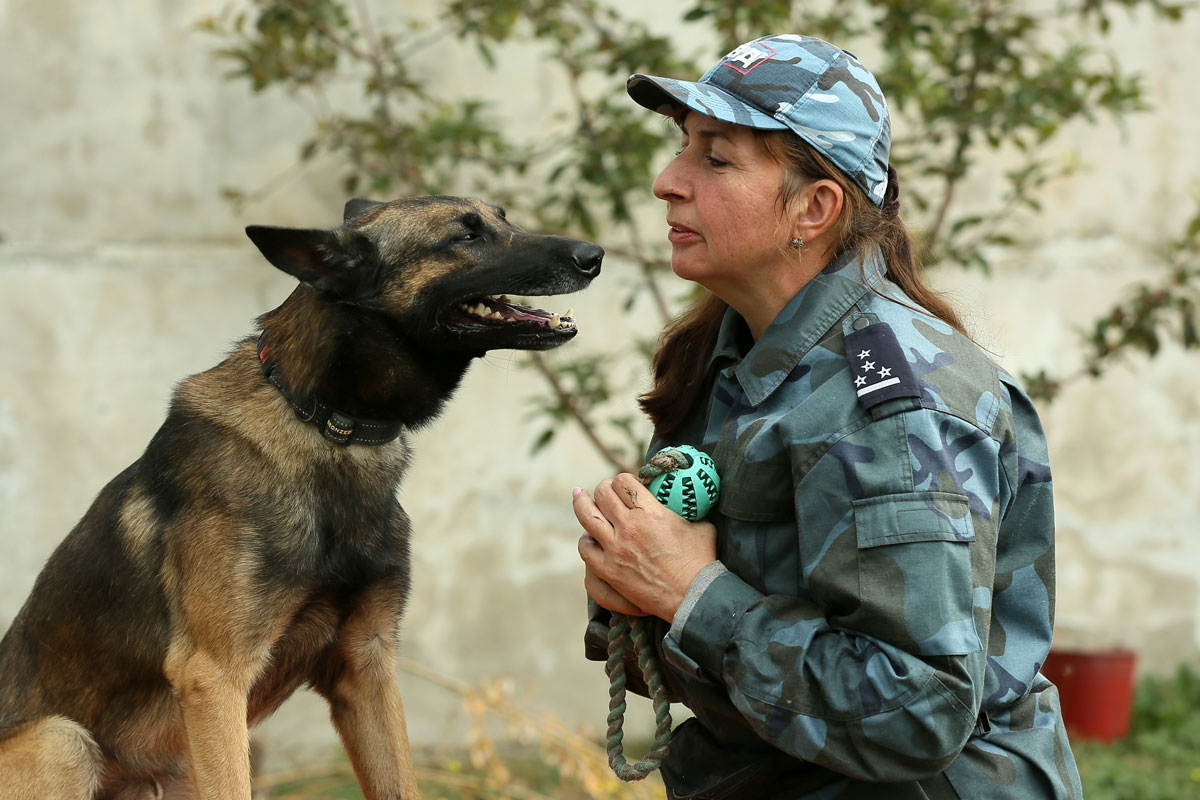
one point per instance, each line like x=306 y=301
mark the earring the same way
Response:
x=797 y=243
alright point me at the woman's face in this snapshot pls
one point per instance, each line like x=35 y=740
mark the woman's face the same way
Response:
x=722 y=193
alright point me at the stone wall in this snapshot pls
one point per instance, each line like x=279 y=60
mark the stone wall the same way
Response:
x=122 y=271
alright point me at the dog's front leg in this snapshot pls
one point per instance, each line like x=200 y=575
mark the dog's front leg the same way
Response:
x=212 y=699
x=365 y=700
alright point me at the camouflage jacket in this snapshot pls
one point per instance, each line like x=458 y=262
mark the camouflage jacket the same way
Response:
x=884 y=594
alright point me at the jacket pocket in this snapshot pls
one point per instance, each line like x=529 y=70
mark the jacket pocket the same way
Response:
x=914 y=571
x=756 y=524
x=755 y=491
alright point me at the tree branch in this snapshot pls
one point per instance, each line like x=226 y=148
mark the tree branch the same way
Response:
x=568 y=403
x=648 y=266
x=954 y=171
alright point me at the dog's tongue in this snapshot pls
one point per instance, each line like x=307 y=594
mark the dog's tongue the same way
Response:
x=501 y=308
x=517 y=312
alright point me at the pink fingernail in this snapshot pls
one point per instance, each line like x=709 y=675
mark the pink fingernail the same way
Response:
x=575 y=492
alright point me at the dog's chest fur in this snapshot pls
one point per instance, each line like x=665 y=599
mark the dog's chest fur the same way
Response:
x=312 y=516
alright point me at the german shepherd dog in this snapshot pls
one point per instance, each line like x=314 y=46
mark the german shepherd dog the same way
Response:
x=257 y=544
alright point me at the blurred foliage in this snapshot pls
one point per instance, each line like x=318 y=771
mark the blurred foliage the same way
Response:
x=510 y=751
x=965 y=80
x=1165 y=308
x=1160 y=758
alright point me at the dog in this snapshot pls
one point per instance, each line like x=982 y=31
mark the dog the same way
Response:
x=257 y=544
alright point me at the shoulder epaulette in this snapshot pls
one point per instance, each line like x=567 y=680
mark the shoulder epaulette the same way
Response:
x=877 y=365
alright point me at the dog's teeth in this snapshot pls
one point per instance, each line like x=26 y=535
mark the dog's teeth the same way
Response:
x=510 y=319
x=496 y=315
x=480 y=309
x=555 y=321
x=504 y=299
x=570 y=313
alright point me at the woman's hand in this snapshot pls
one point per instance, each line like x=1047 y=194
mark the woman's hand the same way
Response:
x=641 y=557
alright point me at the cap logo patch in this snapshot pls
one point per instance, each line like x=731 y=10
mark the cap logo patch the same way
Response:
x=746 y=57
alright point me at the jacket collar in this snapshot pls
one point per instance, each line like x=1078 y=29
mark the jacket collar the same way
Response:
x=760 y=367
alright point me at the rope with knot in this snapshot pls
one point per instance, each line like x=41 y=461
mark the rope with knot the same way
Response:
x=625 y=633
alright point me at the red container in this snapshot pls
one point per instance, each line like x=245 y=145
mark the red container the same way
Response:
x=1096 y=691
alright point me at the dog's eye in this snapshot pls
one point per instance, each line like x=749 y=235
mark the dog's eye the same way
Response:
x=470 y=237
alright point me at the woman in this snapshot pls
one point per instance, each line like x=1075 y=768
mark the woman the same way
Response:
x=872 y=598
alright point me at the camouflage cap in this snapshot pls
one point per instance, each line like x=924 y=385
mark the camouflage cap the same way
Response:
x=820 y=92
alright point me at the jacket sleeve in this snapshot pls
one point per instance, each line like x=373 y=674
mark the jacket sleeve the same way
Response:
x=874 y=668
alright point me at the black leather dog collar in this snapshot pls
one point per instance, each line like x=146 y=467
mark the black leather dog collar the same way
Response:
x=335 y=426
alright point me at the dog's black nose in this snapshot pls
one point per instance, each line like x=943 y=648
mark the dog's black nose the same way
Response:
x=587 y=257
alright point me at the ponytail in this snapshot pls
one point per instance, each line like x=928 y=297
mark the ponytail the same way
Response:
x=903 y=269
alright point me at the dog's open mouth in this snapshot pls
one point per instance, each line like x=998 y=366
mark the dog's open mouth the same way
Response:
x=496 y=310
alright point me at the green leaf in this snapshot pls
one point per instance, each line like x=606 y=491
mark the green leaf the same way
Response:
x=486 y=53
x=309 y=149
x=543 y=439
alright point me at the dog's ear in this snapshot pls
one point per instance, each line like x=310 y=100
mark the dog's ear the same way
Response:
x=358 y=205
x=340 y=262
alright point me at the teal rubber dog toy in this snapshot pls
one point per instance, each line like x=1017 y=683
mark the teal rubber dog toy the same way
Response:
x=683 y=479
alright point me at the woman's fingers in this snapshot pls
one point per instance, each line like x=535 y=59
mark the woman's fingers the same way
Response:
x=640 y=556
x=608 y=597
x=598 y=589
x=607 y=501
x=629 y=490
x=625 y=498
x=590 y=517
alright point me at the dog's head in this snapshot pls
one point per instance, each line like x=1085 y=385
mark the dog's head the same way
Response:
x=440 y=268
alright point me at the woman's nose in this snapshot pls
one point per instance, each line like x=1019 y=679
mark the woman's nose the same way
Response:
x=668 y=186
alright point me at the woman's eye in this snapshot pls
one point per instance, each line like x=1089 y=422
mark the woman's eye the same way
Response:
x=716 y=162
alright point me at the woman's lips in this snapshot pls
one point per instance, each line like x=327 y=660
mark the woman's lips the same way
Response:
x=678 y=234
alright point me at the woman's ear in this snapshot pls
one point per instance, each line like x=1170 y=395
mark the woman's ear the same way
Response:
x=818 y=207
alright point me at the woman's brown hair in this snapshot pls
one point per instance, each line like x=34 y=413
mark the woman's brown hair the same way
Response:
x=687 y=342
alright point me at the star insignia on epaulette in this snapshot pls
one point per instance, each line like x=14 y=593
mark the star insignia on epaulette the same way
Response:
x=879 y=367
